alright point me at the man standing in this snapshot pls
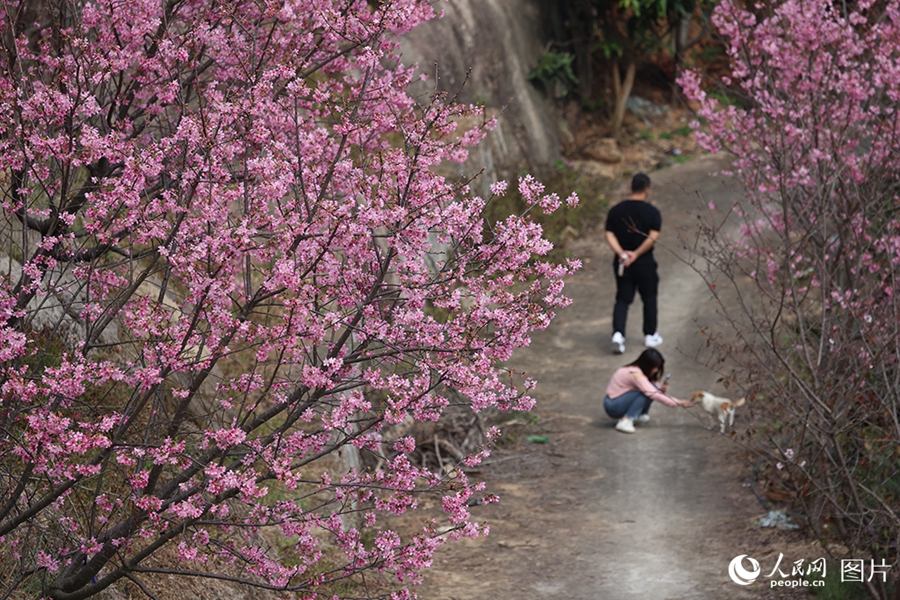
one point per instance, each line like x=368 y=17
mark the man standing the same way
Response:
x=632 y=227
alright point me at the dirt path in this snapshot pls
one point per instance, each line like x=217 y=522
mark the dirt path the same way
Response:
x=594 y=513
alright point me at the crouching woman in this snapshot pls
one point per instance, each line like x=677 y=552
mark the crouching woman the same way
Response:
x=634 y=387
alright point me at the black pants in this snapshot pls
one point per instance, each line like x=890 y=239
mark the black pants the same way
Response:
x=640 y=276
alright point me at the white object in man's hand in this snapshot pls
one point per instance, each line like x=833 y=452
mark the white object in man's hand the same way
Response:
x=622 y=259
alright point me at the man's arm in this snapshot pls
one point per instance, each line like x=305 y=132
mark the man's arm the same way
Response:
x=643 y=248
x=613 y=242
x=625 y=256
x=631 y=255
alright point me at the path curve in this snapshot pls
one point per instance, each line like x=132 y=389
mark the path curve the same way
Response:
x=594 y=513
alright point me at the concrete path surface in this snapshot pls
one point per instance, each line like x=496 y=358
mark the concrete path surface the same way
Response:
x=594 y=513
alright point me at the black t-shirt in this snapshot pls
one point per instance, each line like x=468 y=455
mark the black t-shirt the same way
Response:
x=631 y=221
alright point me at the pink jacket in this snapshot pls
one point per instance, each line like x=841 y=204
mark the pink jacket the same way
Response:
x=626 y=379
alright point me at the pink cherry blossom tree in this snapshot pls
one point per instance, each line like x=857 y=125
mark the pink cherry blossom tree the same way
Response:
x=812 y=256
x=229 y=262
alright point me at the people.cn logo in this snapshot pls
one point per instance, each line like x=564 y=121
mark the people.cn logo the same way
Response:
x=739 y=574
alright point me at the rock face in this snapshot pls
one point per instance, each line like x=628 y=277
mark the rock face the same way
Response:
x=56 y=308
x=486 y=49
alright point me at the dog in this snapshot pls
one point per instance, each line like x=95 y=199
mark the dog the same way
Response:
x=719 y=408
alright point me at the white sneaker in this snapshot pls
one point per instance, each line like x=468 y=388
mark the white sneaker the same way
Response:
x=618 y=343
x=652 y=341
x=643 y=418
x=625 y=425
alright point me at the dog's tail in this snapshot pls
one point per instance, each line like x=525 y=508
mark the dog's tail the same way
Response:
x=738 y=402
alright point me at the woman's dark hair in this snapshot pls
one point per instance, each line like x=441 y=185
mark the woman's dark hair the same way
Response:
x=647 y=361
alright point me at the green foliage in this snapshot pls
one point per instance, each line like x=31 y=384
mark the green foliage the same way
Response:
x=630 y=28
x=708 y=54
x=528 y=418
x=835 y=589
x=684 y=130
x=516 y=425
x=650 y=8
x=647 y=135
x=724 y=98
x=611 y=48
x=554 y=71
x=666 y=135
x=594 y=105
x=482 y=99
x=874 y=455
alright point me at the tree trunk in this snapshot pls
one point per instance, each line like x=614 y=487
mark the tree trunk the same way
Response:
x=682 y=30
x=622 y=90
x=580 y=15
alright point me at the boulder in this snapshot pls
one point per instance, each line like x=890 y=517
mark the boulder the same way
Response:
x=605 y=150
x=595 y=169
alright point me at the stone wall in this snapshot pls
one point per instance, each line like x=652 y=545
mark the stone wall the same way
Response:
x=497 y=43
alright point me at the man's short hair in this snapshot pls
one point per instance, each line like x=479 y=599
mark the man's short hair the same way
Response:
x=640 y=182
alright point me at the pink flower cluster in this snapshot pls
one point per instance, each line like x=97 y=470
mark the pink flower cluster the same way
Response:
x=815 y=148
x=812 y=122
x=239 y=259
